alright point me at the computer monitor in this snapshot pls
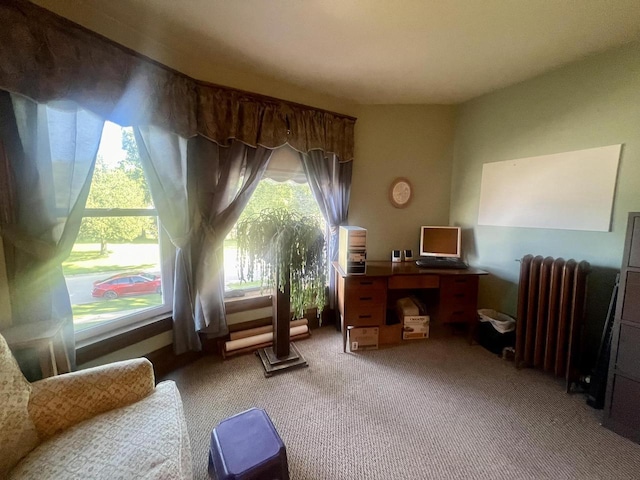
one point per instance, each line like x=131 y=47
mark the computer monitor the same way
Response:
x=440 y=241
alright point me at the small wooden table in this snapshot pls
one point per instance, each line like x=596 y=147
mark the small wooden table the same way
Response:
x=45 y=337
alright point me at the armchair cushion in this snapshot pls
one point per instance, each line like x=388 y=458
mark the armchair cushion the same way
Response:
x=16 y=428
x=57 y=403
x=146 y=439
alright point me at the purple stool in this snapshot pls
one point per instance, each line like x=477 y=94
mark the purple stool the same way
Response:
x=247 y=446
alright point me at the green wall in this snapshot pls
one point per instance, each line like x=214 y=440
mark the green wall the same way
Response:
x=590 y=103
x=412 y=141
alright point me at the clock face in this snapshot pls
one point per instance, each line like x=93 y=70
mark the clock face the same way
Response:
x=400 y=192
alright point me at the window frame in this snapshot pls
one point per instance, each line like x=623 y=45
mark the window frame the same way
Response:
x=167 y=262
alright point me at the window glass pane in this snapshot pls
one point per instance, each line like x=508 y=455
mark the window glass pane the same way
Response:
x=96 y=296
x=294 y=197
x=118 y=179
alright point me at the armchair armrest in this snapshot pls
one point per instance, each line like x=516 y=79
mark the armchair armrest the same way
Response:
x=57 y=403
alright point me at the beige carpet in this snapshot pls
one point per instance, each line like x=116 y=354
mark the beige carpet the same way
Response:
x=435 y=408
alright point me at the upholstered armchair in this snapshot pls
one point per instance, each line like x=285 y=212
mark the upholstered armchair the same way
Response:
x=105 y=422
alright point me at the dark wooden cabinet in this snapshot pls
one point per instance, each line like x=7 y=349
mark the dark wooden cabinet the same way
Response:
x=622 y=402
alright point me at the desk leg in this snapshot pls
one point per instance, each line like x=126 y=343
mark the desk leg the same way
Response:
x=338 y=318
x=473 y=331
x=343 y=327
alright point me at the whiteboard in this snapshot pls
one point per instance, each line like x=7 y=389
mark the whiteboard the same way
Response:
x=571 y=190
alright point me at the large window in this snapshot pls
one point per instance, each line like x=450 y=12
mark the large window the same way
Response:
x=114 y=273
x=284 y=186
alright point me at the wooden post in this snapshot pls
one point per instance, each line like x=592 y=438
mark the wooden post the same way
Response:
x=281 y=319
x=282 y=355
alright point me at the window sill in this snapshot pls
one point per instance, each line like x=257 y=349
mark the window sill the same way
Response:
x=102 y=344
x=108 y=342
x=248 y=302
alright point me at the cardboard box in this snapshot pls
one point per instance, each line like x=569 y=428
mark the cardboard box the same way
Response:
x=363 y=338
x=406 y=307
x=390 y=334
x=414 y=325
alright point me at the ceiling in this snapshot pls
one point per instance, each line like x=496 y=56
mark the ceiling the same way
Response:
x=385 y=51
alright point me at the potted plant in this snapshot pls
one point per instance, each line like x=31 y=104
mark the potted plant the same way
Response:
x=287 y=251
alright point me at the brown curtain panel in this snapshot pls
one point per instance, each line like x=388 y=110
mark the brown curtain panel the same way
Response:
x=46 y=57
x=226 y=177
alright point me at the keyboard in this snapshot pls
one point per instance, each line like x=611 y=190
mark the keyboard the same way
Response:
x=435 y=262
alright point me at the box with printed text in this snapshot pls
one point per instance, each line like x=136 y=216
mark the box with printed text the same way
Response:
x=414 y=325
x=363 y=338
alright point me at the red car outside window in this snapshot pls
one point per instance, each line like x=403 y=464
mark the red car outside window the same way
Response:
x=122 y=285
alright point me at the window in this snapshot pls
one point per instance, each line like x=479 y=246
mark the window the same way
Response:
x=115 y=273
x=284 y=186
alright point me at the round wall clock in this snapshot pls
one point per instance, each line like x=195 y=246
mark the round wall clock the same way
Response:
x=400 y=192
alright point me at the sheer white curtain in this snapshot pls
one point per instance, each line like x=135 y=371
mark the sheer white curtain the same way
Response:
x=164 y=160
x=52 y=149
x=285 y=166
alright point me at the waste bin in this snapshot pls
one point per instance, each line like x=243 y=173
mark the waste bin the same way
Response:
x=496 y=330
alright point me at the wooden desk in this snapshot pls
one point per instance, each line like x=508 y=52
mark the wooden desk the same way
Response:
x=451 y=296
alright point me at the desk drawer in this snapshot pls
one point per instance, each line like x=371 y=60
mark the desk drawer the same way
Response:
x=458 y=314
x=459 y=299
x=413 y=281
x=365 y=316
x=631 y=300
x=366 y=283
x=459 y=290
x=364 y=293
x=459 y=283
x=365 y=298
x=624 y=410
x=628 y=360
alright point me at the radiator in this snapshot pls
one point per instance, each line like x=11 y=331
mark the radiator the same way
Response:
x=551 y=306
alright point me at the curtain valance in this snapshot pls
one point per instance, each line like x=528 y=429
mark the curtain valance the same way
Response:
x=225 y=114
x=46 y=57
